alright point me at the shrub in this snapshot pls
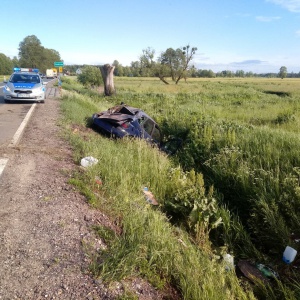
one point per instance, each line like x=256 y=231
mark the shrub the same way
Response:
x=90 y=76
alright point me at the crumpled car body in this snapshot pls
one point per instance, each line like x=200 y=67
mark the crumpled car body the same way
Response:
x=126 y=121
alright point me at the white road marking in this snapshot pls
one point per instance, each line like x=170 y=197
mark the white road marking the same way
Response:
x=3 y=162
x=21 y=128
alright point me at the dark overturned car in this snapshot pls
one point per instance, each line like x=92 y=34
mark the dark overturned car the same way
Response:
x=125 y=121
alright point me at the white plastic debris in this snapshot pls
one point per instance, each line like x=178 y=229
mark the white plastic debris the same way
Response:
x=88 y=161
x=289 y=254
x=229 y=262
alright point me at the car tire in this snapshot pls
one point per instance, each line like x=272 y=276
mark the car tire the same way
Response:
x=6 y=101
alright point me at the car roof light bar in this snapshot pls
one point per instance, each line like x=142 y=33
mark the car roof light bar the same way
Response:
x=26 y=70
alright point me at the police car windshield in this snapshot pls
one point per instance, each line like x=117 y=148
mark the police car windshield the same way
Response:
x=25 y=78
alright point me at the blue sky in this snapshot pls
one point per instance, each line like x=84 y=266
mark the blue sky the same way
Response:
x=250 y=35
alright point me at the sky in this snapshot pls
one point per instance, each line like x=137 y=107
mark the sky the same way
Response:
x=257 y=36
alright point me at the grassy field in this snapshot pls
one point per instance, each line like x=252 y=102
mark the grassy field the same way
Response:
x=234 y=187
x=4 y=77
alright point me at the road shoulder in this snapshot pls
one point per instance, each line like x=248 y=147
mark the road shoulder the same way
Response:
x=44 y=220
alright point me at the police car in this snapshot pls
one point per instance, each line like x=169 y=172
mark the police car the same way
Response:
x=24 y=85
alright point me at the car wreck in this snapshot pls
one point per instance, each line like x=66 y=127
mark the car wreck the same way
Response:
x=126 y=121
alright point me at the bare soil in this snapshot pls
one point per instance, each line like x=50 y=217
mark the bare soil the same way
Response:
x=45 y=222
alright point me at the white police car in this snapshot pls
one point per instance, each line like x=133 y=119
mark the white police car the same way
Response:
x=24 y=85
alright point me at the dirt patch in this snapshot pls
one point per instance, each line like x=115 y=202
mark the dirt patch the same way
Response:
x=44 y=221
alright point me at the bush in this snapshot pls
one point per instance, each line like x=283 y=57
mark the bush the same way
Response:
x=90 y=76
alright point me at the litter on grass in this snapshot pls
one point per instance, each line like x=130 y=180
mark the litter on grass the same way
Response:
x=149 y=196
x=258 y=271
x=267 y=271
x=250 y=271
x=289 y=254
x=229 y=262
x=98 y=180
x=88 y=161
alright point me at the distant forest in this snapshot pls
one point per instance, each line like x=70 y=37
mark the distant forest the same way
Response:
x=174 y=63
x=135 y=71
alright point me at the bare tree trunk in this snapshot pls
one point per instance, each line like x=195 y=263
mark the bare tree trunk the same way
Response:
x=107 y=72
x=163 y=79
x=179 y=79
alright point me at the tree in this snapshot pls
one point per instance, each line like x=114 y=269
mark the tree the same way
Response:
x=192 y=72
x=118 y=68
x=15 y=62
x=30 y=52
x=171 y=58
x=282 y=72
x=249 y=74
x=175 y=62
x=206 y=73
x=239 y=73
x=147 y=63
x=6 y=65
x=162 y=71
x=90 y=76
x=127 y=71
x=50 y=56
x=33 y=55
x=107 y=72
x=135 y=68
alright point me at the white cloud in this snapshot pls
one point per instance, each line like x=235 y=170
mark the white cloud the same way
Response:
x=298 y=33
x=243 y=15
x=267 y=19
x=259 y=63
x=291 y=5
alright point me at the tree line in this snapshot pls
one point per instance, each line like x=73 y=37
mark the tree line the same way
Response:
x=171 y=64
x=31 y=55
x=176 y=64
x=134 y=71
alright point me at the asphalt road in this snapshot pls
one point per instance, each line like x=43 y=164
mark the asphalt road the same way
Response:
x=11 y=117
x=13 y=120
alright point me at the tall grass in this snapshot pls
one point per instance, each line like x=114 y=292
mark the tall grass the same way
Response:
x=149 y=246
x=242 y=135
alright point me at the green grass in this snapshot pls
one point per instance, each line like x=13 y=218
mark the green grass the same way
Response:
x=4 y=77
x=239 y=162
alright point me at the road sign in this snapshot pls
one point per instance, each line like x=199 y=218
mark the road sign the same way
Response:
x=58 y=64
x=60 y=69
